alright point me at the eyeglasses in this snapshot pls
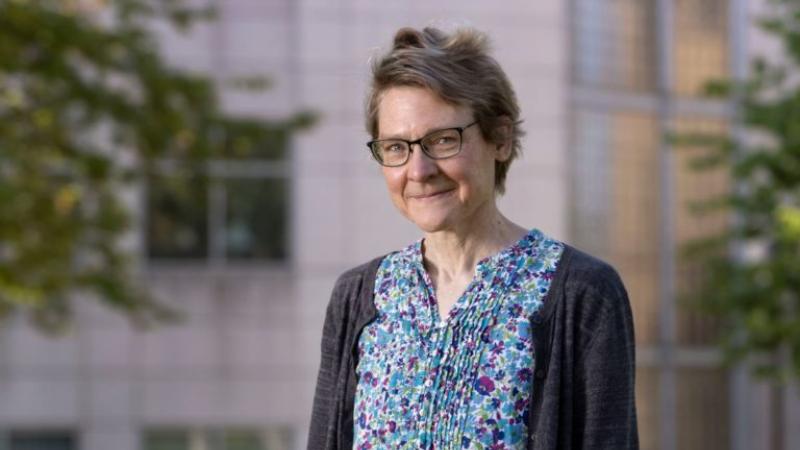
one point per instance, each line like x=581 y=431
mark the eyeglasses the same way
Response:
x=439 y=144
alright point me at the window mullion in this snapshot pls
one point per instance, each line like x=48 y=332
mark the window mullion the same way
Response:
x=667 y=310
x=217 y=207
x=198 y=439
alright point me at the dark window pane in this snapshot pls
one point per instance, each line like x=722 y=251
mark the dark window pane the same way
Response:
x=166 y=440
x=243 y=440
x=42 y=441
x=234 y=439
x=177 y=217
x=256 y=219
x=270 y=438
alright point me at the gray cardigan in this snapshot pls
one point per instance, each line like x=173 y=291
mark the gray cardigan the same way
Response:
x=583 y=389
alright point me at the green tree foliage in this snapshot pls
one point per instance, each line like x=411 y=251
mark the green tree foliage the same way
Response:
x=88 y=107
x=757 y=293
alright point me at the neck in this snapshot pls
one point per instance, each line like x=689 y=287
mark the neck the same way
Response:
x=455 y=253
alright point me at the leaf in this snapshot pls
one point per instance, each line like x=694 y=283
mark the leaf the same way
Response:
x=757 y=297
x=88 y=104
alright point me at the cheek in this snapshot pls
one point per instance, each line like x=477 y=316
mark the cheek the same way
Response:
x=474 y=175
x=394 y=182
x=485 y=168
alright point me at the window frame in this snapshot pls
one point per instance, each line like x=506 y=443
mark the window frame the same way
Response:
x=203 y=436
x=666 y=103
x=7 y=435
x=219 y=170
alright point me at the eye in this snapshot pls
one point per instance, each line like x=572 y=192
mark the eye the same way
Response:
x=444 y=140
x=394 y=147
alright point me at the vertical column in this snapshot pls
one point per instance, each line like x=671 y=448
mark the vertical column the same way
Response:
x=792 y=416
x=667 y=379
x=216 y=191
x=741 y=435
x=118 y=438
x=106 y=386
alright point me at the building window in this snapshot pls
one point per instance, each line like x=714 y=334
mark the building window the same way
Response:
x=613 y=44
x=272 y=438
x=38 y=440
x=638 y=68
x=231 y=209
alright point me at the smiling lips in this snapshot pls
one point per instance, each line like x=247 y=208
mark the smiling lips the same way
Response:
x=430 y=195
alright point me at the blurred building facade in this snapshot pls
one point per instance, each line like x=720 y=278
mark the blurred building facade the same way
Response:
x=253 y=257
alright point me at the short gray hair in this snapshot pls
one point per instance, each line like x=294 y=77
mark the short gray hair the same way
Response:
x=457 y=67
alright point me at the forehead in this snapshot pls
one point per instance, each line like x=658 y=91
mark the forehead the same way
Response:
x=411 y=112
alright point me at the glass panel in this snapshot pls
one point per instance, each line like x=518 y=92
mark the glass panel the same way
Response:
x=617 y=213
x=692 y=186
x=166 y=440
x=701 y=43
x=704 y=408
x=593 y=169
x=177 y=217
x=278 y=438
x=270 y=438
x=636 y=215
x=256 y=219
x=614 y=44
x=647 y=407
x=37 y=440
x=243 y=440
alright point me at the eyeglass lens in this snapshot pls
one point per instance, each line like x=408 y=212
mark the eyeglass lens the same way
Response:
x=437 y=145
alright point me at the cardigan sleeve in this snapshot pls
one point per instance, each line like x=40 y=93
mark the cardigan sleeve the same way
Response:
x=349 y=308
x=605 y=367
x=325 y=393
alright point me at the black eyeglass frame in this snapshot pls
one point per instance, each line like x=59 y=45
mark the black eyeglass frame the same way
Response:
x=460 y=130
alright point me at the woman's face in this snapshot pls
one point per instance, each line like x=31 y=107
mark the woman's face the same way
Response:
x=437 y=195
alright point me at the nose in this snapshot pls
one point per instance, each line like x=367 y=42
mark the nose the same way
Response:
x=420 y=166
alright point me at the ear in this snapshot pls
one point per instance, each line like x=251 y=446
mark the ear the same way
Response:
x=504 y=141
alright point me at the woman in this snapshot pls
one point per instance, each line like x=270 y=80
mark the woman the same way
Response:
x=482 y=334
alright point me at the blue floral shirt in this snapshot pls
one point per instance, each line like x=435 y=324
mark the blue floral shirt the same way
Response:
x=464 y=381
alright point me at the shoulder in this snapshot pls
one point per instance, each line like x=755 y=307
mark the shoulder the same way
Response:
x=581 y=274
x=352 y=284
x=349 y=300
x=587 y=288
x=360 y=272
x=593 y=297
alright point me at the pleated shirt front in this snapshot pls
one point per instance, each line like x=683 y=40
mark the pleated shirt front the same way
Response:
x=463 y=381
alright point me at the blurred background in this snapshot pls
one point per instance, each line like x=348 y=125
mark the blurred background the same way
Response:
x=248 y=253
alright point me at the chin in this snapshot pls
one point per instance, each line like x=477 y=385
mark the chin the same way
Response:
x=430 y=224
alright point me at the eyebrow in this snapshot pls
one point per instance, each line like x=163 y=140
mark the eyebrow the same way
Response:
x=429 y=131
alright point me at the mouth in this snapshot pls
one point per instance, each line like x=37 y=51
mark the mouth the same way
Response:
x=432 y=195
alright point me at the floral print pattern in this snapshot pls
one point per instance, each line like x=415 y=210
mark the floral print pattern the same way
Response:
x=463 y=381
